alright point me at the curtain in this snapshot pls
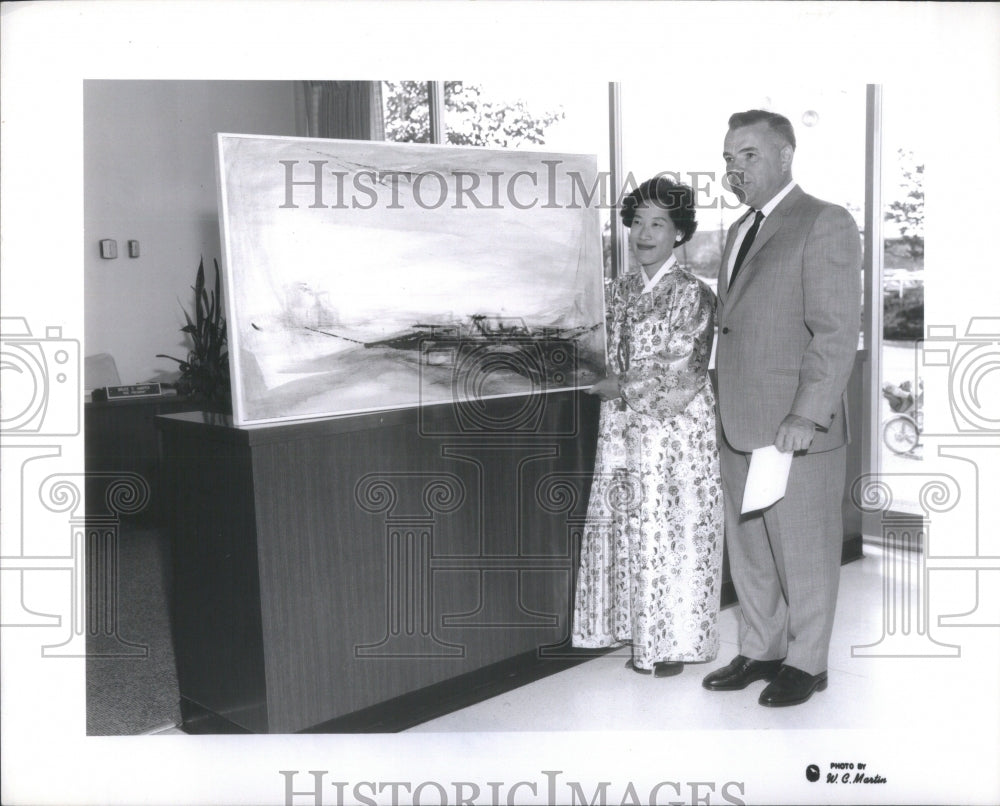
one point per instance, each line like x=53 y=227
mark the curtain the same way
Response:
x=344 y=110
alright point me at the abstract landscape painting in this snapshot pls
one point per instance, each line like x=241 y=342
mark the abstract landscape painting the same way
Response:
x=364 y=275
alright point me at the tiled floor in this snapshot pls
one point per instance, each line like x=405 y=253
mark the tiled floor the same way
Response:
x=893 y=687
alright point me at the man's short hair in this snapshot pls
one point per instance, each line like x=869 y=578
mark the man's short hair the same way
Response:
x=779 y=124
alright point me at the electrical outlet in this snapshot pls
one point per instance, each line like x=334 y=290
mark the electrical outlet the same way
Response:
x=133 y=249
x=109 y=249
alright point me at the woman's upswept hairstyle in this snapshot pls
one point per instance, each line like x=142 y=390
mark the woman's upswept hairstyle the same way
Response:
x=675 y=198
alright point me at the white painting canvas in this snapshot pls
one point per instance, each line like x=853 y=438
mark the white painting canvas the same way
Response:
x=364 y=275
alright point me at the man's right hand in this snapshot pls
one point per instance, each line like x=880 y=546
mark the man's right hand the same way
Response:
x=794 y=434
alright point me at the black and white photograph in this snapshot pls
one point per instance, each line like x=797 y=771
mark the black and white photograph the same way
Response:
x=499 y=403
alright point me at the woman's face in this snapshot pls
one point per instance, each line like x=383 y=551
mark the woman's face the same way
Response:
x=652 y=235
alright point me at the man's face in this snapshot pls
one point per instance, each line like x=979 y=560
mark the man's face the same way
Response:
x=758 y=163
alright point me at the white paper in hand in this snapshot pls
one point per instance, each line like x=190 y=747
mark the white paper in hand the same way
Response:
x=766 y=478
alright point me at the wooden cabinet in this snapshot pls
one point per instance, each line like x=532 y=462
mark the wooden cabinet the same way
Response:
x=321 y=568
x=324 y=570
x=122 y=442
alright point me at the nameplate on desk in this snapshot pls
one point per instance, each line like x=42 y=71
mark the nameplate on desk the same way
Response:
x=126 y=392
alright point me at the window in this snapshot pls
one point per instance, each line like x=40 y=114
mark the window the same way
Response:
x=684 y=135
x=901 y=406
x=560 y=117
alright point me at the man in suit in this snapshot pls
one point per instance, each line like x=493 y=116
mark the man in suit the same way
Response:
x=789 y=316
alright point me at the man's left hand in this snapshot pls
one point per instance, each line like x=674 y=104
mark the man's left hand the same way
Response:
x=794 y=434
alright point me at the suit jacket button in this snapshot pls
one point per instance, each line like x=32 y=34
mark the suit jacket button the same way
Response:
x=725 y=330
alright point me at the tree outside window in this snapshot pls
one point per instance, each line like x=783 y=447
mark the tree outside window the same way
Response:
x=472 y=118
x=903 y=291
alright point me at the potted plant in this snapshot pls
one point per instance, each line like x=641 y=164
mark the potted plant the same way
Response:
x=205 y=373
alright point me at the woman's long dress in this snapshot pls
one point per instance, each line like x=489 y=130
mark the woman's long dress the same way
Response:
x=651 y=552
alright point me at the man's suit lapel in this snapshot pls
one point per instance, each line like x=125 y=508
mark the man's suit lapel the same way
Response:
x=723 y=284
x=772 y=223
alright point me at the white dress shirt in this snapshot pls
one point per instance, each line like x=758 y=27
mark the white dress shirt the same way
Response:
x=767 y=209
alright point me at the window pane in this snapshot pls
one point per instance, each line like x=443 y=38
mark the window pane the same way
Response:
x=903 y=119
x=682 y=131
x=406 y=111
x=551 y=116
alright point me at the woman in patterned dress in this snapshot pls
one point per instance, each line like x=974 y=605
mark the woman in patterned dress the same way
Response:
x=652 y=547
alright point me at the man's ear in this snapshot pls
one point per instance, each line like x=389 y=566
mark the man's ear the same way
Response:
x=787 y=152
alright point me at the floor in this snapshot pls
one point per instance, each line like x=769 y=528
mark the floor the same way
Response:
x=864 y=691
x=888 y=668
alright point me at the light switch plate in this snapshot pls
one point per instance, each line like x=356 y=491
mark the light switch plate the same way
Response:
x=109 y=249
x=133 y=249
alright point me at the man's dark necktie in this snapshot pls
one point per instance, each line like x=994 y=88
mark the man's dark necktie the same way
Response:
x=745 y=246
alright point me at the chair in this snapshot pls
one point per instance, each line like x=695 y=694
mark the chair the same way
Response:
x=100 y=370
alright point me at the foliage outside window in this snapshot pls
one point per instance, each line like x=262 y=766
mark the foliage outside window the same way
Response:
x=471 y=118
x=903 y=294
x=908 y=212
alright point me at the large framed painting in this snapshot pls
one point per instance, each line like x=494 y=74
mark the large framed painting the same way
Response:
x=365 y=275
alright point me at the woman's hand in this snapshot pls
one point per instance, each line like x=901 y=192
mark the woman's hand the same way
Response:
x=607 y=388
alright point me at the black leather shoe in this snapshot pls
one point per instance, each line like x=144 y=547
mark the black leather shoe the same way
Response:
x=791 y=687
x=740 y=673
x=667 y=668
x=630 y=664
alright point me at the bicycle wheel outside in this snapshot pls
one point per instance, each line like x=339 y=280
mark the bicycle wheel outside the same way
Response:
x=900 y=434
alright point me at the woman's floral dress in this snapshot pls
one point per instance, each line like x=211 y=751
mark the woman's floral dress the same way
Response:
x=651 y=553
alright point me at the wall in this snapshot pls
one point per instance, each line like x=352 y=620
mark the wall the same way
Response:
x=149 y=175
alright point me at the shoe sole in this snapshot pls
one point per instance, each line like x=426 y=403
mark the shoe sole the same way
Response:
x=819 y=687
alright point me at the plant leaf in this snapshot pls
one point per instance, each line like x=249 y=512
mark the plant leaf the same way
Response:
x=205 y=373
